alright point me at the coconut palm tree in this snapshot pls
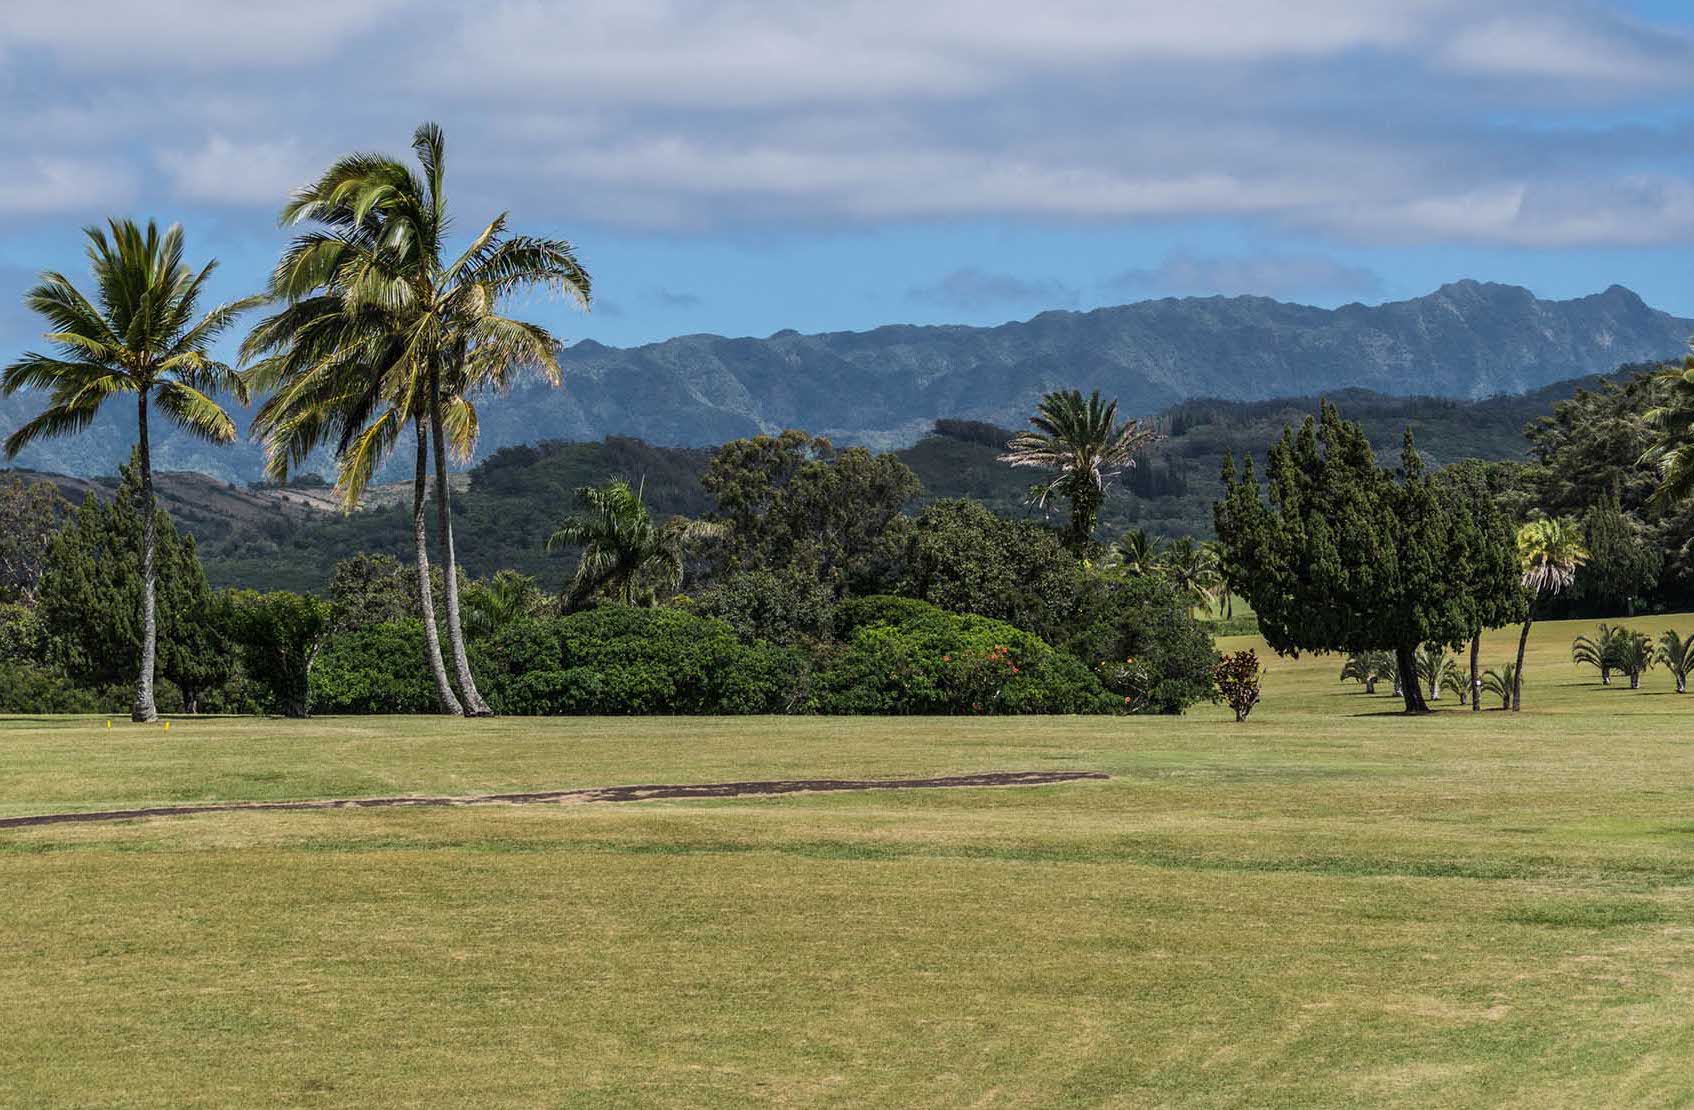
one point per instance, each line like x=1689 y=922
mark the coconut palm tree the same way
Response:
x=1636 y=655
x=374 y=289
x=1673 y=420
x=1505 y=683
x=1600 y=652
x=1677 y=654
x=626 y=556
x=142 y=334
x=1550 y=552
x=1192 y=569
x=1140 y=553
x=1085 y=446
x=504 y=599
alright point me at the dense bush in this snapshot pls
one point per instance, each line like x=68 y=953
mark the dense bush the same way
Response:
x=27 y=687
x=905 y=656
x=617 y=660
x=1146 y=645
x=378 y=669
x=782 y=606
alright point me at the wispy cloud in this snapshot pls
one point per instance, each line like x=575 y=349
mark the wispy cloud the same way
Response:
x=1283 y=276
x=971 y=289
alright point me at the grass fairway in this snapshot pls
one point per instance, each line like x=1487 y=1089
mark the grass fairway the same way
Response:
x=1330 y=905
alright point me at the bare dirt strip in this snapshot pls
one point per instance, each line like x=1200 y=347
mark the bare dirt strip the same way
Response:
x=575 y=797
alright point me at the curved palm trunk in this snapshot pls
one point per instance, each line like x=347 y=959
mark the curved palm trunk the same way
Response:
x=1406 y=664
x=1475 y=679
x=426 y=594
x=474 y=705
x=144 y=709
x=1517 y=676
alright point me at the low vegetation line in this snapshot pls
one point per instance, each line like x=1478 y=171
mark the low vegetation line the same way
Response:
x=645 y=793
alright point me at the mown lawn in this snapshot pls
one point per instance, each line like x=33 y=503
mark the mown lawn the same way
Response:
x=1330 y=905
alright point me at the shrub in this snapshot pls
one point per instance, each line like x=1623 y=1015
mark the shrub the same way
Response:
x=1147 y=646
x=376 y=669
x=1237 y=678
x=905 y=656
x=781 y=606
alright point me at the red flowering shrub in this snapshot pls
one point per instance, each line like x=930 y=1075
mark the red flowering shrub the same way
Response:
x=1237 y=678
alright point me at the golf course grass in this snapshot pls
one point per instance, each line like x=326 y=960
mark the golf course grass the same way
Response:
x=1330 y=904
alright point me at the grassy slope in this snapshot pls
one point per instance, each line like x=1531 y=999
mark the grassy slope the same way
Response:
x=1327 y=906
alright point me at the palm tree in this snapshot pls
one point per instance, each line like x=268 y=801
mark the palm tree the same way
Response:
x=1636 y=655
x=1435 y=667
x=1673 y=419
x=1677 y=654
x=625 y=556
x=1600 y=652
x=1550 y=552
x=504 y=599
x=1192 y=569
x=374 y=291
x=1368 y=668
x=1085 y=446
x=142 y=334
x=1140 y=553
x=1505 y=682
x=1221 y=593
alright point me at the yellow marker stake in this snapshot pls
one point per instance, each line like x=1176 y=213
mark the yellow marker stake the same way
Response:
x=167 y=726
x=108 y=724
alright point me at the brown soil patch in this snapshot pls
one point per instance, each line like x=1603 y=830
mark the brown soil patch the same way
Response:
x=575 y=797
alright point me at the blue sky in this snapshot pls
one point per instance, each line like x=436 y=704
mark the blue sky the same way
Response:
x=741 y=167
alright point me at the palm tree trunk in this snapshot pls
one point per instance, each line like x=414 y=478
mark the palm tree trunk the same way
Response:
x=1405 y=663
x=474 y=705
x=144 y=709
x=1517 y=676
x=1475 y=679
x=426 y=594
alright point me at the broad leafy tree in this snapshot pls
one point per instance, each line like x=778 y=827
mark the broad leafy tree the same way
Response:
x=141 y=335
x=1348 y=556
x=1084 y=446
x=30 y=512
x=1672 y=422
x=380 y=326
x=279 y=635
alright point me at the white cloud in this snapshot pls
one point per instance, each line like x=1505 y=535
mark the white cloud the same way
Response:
x=1282 y=276
x=224 y=172
x=973 y=288
x=80 y=186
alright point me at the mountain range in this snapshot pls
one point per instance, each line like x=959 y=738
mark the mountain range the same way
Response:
x=886 y=387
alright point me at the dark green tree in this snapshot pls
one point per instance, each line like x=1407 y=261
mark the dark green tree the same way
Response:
x=30 y=512
x=279 y=635
x=1348 y=556
x=1623 y=562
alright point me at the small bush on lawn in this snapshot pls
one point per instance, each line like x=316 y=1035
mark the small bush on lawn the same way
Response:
x=906 y=656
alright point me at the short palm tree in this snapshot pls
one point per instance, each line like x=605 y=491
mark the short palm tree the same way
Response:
x=1140 y=552
x=1192 y=569
x=1085 y=446
x=1636 y=655
x=1368 y=668
x=1550 y=551
x=142 y=334
x=626 y=555
x=1503 y=683
x=503 y=600
x=1599 y=652
x=382 y=327
x=1673 y=421
x=1677 y=655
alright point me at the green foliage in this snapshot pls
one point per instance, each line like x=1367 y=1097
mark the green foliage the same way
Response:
x=1636 y=655
x=1369 y=668
x=1145 y=644
x=373 y=669
x=30 y=687
x=279 y=635
x=1676 y=653
x=1082 y=443
x=30 y=512
x=1599 y=651
x=626 y=556
x=1501 y=683
x=1623 y=564
x=915 y=658
x=783 y=606
x=367 y=590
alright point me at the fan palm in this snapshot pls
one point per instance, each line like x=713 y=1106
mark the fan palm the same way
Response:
x=1139 y=552
x=1084 y=444
x=1673 y=421
x=1550 y=551
x=1636 y=655
x=142 y=334
x=1505 y=683
x=379 y=328
x=1599 y=652
x=1677 y=654
x=625 y=554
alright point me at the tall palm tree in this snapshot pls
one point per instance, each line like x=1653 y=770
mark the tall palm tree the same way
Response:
x=1221 y=593
x=1677 y=654
x=1084 y=444
x=375 y=286
x=142 y=334
x=1673 y=419
x=1550 y=552
x=1139 y=552
x=626 y=555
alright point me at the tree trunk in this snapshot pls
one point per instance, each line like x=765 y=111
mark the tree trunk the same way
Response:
x=1517 y=675
x=1405 y=662
x=1370 y=685
x=1634 y=680
x=144 y=709
x=1398 y=692
x=474 y=705
x=1682 y=684
x=1085 y=510
x=1475 y=679
x=1605 y=673
x=444 y=695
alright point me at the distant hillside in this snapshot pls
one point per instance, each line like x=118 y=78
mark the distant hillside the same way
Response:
x=886 y=387
x=514 y=500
